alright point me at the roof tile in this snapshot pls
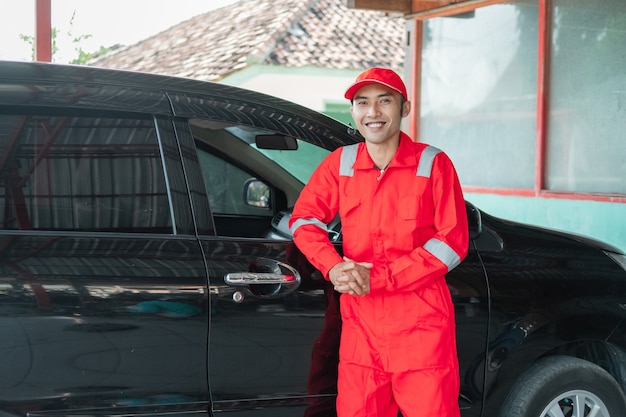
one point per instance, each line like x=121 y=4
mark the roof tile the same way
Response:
x=293 y=33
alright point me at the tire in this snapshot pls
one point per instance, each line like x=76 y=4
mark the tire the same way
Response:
x=557 y=385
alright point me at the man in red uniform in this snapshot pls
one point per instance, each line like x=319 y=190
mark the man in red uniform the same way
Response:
x=404 y=226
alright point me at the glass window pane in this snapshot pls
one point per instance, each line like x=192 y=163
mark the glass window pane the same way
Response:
x=80 y=173
x=586 y=149
x=226 y=185
x=479 y=92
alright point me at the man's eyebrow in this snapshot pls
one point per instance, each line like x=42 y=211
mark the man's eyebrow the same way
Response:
x=378 y=96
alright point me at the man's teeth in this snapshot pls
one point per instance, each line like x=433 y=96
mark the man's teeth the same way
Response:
x=375 y=124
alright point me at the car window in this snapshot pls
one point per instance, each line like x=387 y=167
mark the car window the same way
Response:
x=299 y=162
x=241 y=177
x=81 y=174
x=226 y=184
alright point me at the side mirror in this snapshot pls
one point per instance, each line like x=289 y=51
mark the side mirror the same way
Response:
x=256 y=193
x=474 y=221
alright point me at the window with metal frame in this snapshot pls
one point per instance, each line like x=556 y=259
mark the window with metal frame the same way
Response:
x=81 y=174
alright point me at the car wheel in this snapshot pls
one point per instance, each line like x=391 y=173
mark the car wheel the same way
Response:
x=563 y=386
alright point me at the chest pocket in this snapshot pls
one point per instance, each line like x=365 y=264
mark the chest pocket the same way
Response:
x=409 y=207
x=415 y=199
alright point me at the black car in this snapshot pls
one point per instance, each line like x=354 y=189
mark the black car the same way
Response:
x=146 y=266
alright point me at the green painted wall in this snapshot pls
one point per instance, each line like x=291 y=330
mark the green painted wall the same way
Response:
x=600 y=220
x=339 y=111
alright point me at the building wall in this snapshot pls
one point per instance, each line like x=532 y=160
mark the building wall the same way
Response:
x=599 y=220
x=527 y=97
x=320 y=89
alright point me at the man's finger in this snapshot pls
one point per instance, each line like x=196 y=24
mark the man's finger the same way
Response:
x=367 y=265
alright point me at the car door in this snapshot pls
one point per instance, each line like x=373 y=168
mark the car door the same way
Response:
x=274 y=325
x=268 y=312
x=267 y=325
x=103 y=301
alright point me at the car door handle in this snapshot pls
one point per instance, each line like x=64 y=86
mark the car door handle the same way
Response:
x=266 y=278
x=250 y=278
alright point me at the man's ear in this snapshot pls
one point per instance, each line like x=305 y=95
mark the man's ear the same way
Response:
x=406 y=108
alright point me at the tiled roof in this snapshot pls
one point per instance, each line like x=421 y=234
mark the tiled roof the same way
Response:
x=319 y=33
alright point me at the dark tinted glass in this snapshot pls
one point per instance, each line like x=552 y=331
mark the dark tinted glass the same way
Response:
x=81 y=173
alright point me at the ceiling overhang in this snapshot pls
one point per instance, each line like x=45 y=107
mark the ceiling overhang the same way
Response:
x=402 y=6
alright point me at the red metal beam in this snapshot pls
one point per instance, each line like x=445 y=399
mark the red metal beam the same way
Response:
x=401 y=6
x=417 y=43
x=43 y=31
x=543 y=51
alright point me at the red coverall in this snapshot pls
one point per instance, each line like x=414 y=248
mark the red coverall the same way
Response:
x=398 y=343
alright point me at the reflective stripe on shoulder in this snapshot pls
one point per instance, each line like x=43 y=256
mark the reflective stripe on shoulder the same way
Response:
x=303 y=222
x=425 y=164
x=347 y=160
x=443 y=252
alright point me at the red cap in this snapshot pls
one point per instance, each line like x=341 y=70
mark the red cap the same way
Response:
x=382 y=76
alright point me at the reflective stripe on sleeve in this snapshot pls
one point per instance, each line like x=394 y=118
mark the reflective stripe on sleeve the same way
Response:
x=314 y=222
x=425 y=164
x=443 y=252
x=347 y=160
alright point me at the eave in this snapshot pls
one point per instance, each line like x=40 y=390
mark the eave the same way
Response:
x=406 y=7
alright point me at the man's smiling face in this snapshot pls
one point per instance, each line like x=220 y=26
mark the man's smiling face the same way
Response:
x=378 y=111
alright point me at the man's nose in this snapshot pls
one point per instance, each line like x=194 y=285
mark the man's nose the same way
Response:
x=373 y=110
